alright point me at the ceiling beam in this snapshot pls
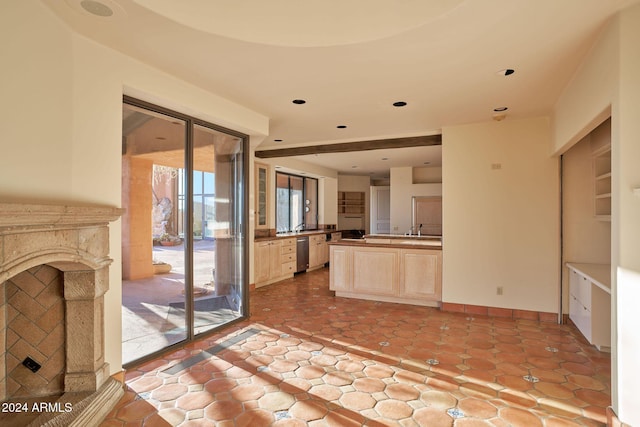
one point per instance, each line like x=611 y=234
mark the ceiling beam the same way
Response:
x=347 y=147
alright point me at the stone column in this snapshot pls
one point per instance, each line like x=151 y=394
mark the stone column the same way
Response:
x=84 y=298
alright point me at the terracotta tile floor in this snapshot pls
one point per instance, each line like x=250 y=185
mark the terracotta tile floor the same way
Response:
x=307 y=358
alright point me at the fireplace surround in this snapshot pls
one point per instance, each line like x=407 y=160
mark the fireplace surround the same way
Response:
x=54 y=272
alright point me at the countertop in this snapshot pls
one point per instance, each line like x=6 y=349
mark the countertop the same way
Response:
x=299 y=234
x=395 y=241
x=599 y=274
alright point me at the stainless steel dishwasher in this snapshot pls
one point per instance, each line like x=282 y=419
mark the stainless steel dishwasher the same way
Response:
x=302 y=254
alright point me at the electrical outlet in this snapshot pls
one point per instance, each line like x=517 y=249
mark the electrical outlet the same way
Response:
x=496 y=166
x=395 y=228
x=499 y=290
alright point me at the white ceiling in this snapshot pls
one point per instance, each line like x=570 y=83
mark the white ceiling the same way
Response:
x=351 y=60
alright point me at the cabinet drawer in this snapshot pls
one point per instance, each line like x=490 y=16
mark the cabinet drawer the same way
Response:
x=289 y=242
x=287 y=250
x=584 y=292
x=574 y=283
x=288 y=268
x=289 y=257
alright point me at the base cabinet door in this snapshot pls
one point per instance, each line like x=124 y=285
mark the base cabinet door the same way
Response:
x=275 y=261
x=375 y=271
x=262 y=261
x=339 y=273
x=318 y=251
x=420 y=275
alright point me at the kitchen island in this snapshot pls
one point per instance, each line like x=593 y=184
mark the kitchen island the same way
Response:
x=389 y=268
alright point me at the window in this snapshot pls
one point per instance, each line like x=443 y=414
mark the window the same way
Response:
x=296 y=203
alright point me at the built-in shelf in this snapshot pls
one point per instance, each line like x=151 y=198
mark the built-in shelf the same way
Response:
x=602 y=182
x=351 y=203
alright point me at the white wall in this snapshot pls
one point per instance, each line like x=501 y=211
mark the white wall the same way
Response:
x=609 y=79
x=328 y=193
x=402 y=191
x=36 y=109
x=501 y=226
x=62 y=120
x=626 y=223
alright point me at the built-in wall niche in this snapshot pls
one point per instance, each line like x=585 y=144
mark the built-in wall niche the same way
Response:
x=427 y=175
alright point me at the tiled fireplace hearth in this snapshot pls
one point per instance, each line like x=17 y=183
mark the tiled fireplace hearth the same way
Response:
x=54 y=272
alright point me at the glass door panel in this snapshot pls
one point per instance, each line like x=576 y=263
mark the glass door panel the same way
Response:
x=297 y=202
x=209 y=217
x=218 y=290
x=153 y=248
x=283 y=203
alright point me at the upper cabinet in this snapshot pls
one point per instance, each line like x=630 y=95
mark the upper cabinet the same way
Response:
x=262 y=196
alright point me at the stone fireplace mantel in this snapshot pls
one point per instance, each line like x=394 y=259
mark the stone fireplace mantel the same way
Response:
x=74 y=240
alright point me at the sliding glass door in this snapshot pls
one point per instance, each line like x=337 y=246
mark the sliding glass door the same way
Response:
x=183 y=231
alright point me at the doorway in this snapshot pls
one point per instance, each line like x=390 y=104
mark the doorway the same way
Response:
x=183 y=246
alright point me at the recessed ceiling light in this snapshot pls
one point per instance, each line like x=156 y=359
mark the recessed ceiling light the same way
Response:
x=500 y=109
x=161 y=138
x=299 y=101
x=385 y=158
x=426 y=163
x=96 y=8
x=399 y=104
x=506 y=72
x=354 y=167
x=341 y=126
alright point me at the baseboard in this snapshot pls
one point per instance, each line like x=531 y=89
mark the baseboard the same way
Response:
x=507 y=313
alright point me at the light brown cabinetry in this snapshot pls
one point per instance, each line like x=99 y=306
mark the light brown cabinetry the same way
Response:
x=387 y=273
x=274 y=260
x=420 y=274
x=340 y=269
x=288 y=257
x=318 y=251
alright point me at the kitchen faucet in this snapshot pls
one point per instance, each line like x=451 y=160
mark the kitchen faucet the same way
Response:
x=298 y=227
x=410 y=232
